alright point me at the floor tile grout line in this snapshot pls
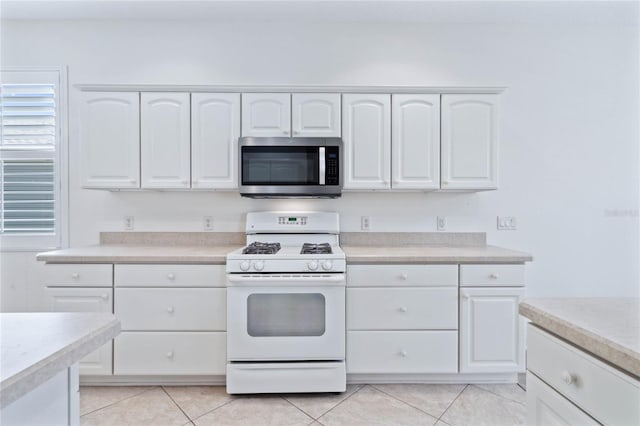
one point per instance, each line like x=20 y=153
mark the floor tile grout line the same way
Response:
x=403 y=401
x=341 y=402
x=453 y=402
x=298 y=408
x=503 y=397
x=177 y=405
x=118 y=401
x=233 y=399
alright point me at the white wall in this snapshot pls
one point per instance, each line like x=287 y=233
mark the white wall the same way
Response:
x=569 y=129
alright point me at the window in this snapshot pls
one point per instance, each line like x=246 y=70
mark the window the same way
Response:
x=32 y=159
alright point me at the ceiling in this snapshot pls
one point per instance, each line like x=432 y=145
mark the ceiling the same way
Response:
x=431 y=11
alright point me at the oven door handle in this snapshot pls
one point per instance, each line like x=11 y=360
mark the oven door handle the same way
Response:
x=285 y=280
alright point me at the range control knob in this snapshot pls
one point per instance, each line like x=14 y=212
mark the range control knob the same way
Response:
x=244 y=265
x=327 y=265
x=312 y=265
x=259 y=265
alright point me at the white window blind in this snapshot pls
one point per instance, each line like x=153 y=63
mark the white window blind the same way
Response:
x=30 y=135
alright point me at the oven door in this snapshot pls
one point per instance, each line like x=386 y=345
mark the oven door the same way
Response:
x=285 y=318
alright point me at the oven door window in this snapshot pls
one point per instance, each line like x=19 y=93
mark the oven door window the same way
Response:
x=280 y=165
x=286 y=314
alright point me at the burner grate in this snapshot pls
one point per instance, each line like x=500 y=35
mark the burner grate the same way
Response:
x=261 y=248
x=310 y=248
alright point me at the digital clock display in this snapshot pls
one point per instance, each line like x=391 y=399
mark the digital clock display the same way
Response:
x=293 y=219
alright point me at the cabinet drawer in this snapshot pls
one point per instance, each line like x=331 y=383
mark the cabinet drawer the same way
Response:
x=491 y=275
x=402 y=352
x=170 y=276
x=402 y=275
x=78 y=275
x=189 y=309
x=605 y=393
x=170 y=353
x=402 y=308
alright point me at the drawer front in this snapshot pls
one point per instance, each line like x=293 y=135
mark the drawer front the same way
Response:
x=170 y=276
x=402 y=275
x=402 y=308
x=170 y=353
x=491 y=275
x=78 y=275
x=402 y=352
x=168 y=309
x=605 y=393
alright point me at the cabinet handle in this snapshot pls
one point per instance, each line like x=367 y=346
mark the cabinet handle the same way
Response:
x=105 y=296
x=171 y=276
x=494 y=276
x=568 y=378
x=402 y=309
x=133 y=181
x=445 y=182
x=75 y=275
x=170 y=309
x=404 y=276
x=465 y=296
x=285 y=132
x=170 y=354
x=403 y=353
x=184 y=182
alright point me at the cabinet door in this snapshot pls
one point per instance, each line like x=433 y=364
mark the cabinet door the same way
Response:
x=266 y=114
x=367 y=141
x=215 y=123
x=316 y=114
x=85 y=300
x=547 y=407
x=110 y=139
x=165 y=138
x=491 y=331
x=416 y=141
x=469 y=142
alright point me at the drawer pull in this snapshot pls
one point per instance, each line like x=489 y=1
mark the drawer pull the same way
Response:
x=171 y=276
x=494 y=276
x=170 y=354
x=404 y=276
x=105 y=296
x=568 y=378
x=75 y=275
x=402 y=309
x=403 y=353
x=170 y=309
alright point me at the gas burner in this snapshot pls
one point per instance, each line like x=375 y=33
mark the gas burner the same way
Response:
x=310 y=248
x=261 y=248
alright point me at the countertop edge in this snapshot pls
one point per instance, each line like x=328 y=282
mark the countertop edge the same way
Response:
x=596 y=344
x=18 y=385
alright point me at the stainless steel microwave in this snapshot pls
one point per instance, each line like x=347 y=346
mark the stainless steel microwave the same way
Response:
x=290 y=167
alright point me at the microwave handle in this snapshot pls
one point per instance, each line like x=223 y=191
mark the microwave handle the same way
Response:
x=322 y=165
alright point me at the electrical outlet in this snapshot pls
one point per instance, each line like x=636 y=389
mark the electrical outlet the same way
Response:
x=441 y=223
x=129 y=223
x=207 y=223
x=506 y=223
x=365 y=223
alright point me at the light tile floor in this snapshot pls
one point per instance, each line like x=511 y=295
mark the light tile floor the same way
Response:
x=396 y=404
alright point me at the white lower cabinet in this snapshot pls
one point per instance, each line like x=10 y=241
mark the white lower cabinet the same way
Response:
x=82 y=288
x=576 y=378
x=173 y=320
x=402 y=319
x=170 y=353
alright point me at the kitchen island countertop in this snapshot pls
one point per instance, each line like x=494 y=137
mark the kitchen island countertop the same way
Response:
x=36 y=346
x=608 y=328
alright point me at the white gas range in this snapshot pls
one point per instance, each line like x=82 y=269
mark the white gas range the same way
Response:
x=286 y=305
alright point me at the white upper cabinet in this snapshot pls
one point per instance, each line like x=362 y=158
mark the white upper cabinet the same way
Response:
x=266 y=114
x=109 y=139
x=416 y=141
x=215 y=126
x=315 y=114
x=469 y=142
x=165 y=140
x=367 y=141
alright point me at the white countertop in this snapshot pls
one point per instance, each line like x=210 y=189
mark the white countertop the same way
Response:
x=35 y=346
x=606 y=327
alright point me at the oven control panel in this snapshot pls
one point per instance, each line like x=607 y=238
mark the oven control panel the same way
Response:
x=292 y=220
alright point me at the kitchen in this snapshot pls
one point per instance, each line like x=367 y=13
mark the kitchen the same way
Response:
x=568 y=113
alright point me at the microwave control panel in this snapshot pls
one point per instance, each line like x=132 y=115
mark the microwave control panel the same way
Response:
x=332 y=161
